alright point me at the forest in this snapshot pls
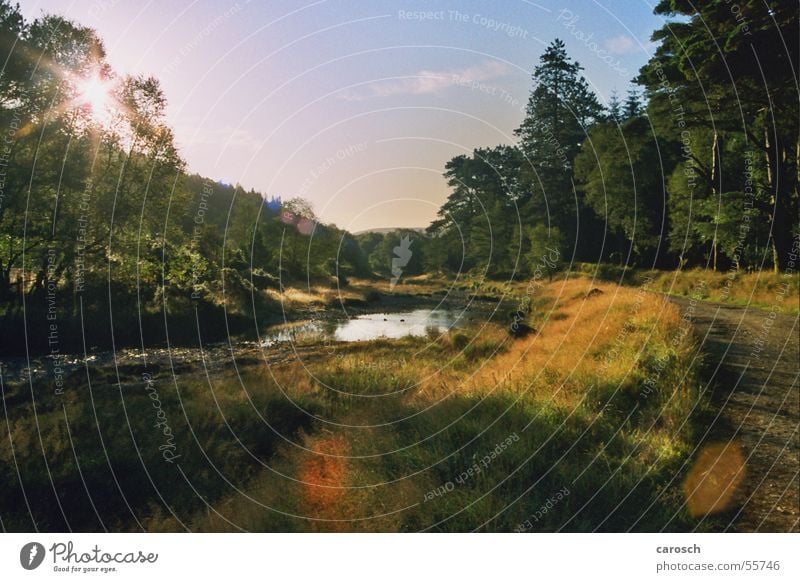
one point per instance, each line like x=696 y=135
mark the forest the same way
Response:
x=591 y=335
x=98 y=214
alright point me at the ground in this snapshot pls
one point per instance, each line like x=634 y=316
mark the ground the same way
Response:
x=603 y=398
x=751 y=369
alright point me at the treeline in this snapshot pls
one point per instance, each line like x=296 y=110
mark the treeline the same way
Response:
x=698 y=167
x=103 y=234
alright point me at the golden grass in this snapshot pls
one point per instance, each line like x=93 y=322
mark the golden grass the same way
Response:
x=566 y=349
x=342 y=478
x=761 y=289
x=780 y=291
x=607 y=369
x=299 y=298
x=394 y=420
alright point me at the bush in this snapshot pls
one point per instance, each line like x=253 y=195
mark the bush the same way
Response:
x=459 y=340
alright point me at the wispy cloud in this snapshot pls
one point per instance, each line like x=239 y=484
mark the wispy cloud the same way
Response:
x=621 y=45
x=426 y=82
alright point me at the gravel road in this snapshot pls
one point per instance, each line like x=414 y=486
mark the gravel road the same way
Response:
x=751 y=370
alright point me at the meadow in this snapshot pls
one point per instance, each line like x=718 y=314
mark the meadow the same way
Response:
x=760 y=289
x=589 y=423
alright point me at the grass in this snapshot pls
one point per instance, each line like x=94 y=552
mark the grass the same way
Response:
x=772 y=291
x=105 y=441
x=358 y=292
x=468 y=430
x=764 y=290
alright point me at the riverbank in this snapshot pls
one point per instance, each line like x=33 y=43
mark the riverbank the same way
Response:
x=456 y=431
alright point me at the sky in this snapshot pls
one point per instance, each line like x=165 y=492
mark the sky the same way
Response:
x=355 y=105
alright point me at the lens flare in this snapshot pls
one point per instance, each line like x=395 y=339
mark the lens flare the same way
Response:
x=94 y=96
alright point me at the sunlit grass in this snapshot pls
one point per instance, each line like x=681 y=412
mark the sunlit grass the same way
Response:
x=600 y=401
x=760 y=289
x=570 y=393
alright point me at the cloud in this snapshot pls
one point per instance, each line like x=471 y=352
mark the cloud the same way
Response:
x=621 y=45
x=426 y=82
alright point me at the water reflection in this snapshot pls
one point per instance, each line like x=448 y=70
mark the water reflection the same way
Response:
x=418 y=322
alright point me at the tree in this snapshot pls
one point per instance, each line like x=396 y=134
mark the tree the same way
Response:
x=615 y=108
x=730 y=74
x=560 y=110
x=38 y=88
x=620 y=170
x=13 y=47
x=478 y=216
x=545 y=250
x=633 y=106
x=385 y=255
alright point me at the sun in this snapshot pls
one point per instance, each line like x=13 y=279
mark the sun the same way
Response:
x=94 y=95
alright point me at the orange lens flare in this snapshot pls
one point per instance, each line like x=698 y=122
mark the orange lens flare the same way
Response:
x=712 y=483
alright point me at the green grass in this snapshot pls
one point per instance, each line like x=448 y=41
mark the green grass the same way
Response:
x=763 y=290
x=416 y=425
x=217 y=433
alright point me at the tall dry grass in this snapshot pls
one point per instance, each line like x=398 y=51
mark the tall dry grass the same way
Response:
x=454 y=432
x=601 y=401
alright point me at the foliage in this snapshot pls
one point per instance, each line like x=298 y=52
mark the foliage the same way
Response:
x=97 y=201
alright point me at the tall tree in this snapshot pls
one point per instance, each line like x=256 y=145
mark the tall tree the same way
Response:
x=615 y=108
x=560 y=110
x=633 y=104
x=621 y=171
x=478 y=217
x=735 y=73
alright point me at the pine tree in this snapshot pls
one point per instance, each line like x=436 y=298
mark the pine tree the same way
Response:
x=560 y=110
x=731 y=77
x=633 y=106
x=614 y=108
x=617 y=169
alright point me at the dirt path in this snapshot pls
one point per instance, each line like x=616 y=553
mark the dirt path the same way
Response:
x=751 y=368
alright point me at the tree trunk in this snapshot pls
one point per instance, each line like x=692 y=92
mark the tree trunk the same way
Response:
x=783 y=187
x=772 y=173
x=716 y=176
x=5 y=283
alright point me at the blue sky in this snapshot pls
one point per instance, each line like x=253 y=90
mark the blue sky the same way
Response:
x=354 y=105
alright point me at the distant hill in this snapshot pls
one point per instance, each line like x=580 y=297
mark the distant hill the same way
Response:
x=388 y=229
